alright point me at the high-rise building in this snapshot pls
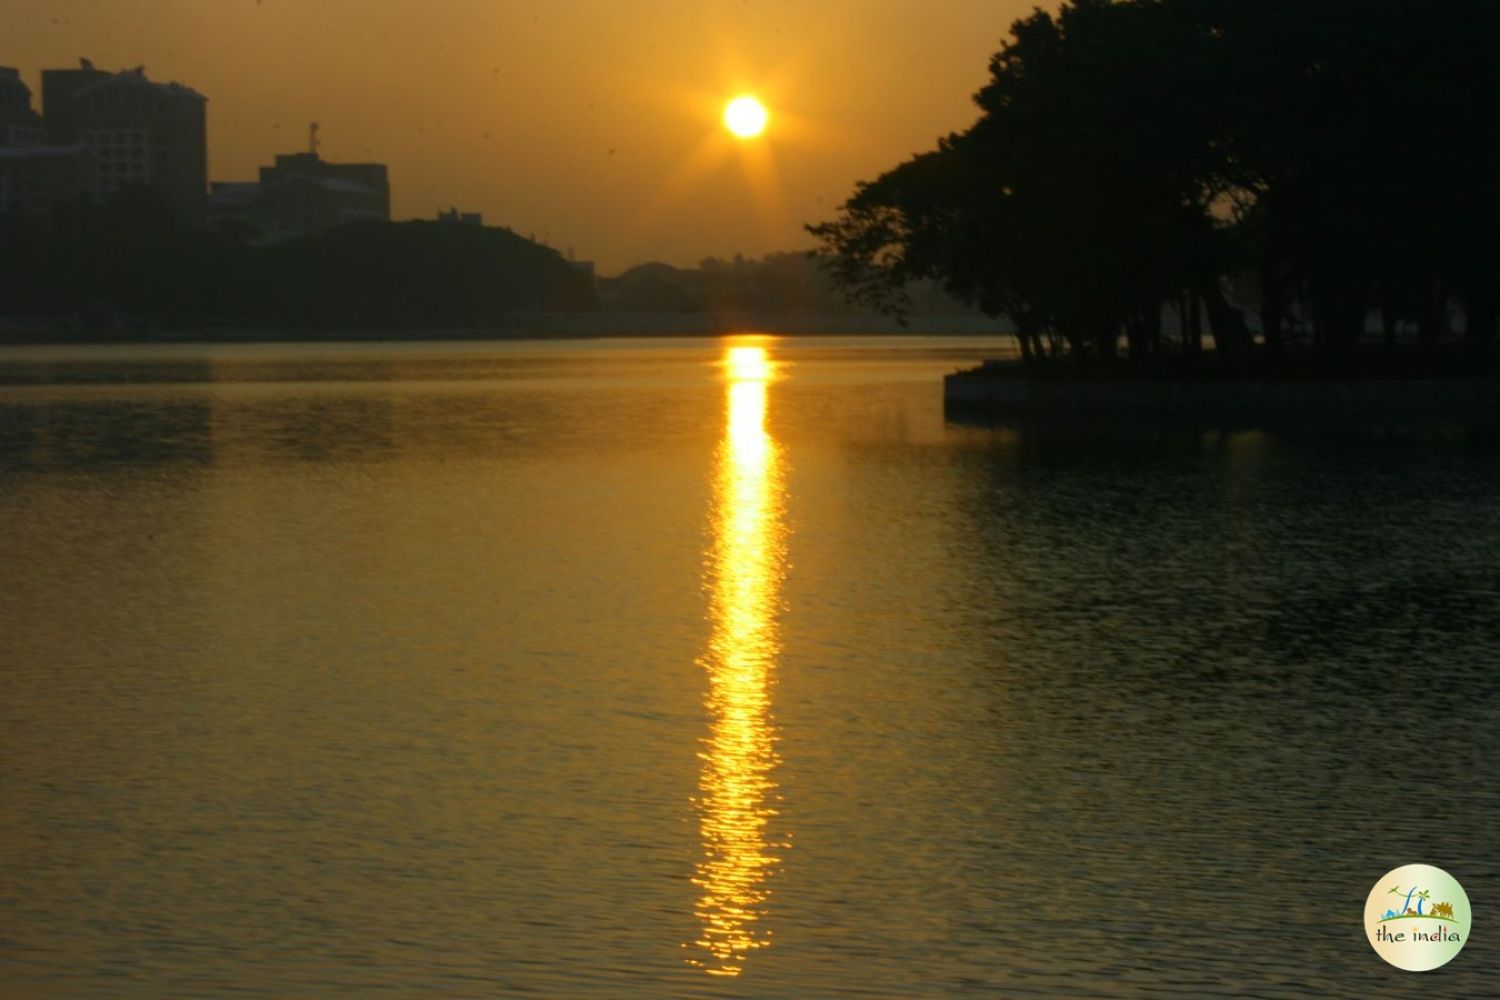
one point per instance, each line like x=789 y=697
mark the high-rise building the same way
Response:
x=35 y=178
x=20 y=125
x=59 y=87
x=138 y=131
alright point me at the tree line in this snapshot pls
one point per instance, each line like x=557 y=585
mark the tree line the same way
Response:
x=130 y=263
x=1291 y=178
x=777 y=284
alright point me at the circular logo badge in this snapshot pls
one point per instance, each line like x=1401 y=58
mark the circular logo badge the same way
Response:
x=1417 y=917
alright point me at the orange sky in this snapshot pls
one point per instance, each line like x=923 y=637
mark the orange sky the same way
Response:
x=591 y=124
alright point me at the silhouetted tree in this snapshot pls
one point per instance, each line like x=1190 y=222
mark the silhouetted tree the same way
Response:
x=1131 y=154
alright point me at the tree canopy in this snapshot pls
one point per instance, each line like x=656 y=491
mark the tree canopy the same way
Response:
x=1286 y=169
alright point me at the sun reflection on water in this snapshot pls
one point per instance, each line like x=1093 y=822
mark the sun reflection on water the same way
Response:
x=737 y=787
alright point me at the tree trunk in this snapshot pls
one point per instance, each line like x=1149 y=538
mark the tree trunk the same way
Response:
x=1191 y=312
x=1142 y=334
x=1388 y=325
x=1226 y=325
x=1108 y=341
x=1272 y=305
x=1480 y=318
x=1432 y=324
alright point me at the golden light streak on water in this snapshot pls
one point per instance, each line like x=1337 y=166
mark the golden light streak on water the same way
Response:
x=737 y=786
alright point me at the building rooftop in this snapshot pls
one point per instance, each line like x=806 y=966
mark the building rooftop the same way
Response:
x=235 y=190
x=314 y=162
x=137 y=78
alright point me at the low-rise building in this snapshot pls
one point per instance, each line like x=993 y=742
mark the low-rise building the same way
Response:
x=303 y=195
x=454 y=217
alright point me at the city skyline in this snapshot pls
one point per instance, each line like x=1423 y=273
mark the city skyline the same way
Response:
x=591 y=127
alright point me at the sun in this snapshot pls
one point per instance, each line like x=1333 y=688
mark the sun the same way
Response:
x=745 y=117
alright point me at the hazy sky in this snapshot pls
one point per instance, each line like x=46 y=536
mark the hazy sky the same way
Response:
x=592 y=124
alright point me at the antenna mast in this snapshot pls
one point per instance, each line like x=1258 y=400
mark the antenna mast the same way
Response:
x=312 y=138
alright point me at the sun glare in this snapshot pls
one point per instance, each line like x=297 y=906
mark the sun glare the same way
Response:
x=745 y=117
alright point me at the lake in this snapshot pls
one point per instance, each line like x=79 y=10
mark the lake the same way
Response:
x=720 y=668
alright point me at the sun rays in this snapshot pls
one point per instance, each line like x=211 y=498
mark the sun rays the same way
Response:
x=744 y=124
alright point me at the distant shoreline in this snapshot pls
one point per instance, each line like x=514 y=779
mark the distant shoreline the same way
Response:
x=548 y=328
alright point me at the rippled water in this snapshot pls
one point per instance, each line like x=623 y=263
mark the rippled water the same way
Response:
x=719 y=668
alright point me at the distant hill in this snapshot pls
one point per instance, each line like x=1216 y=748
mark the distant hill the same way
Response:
x=788 y=285
x=411 y=275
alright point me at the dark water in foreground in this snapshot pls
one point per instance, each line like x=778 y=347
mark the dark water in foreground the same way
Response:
x=657 y=669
